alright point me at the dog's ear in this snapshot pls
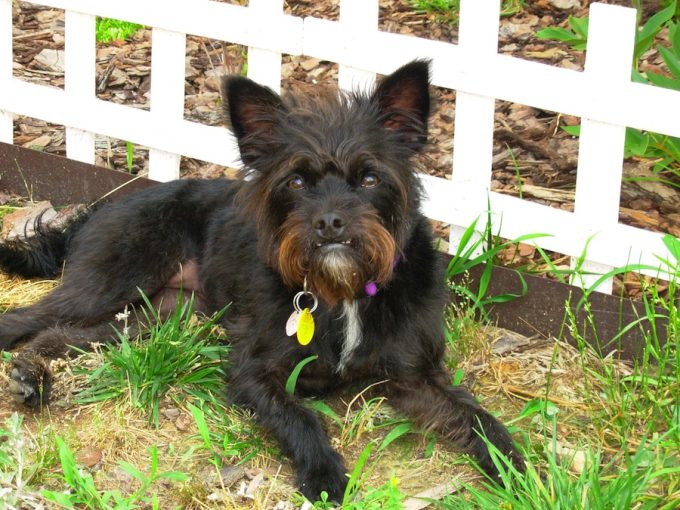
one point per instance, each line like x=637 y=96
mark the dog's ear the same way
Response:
x=403 y=100
x=251 y=111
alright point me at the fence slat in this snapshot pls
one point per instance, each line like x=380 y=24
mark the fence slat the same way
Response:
x=342 y=43
x=611 y=38
x=264 y=66
x=6 y=116
x=225 y=22
x=360 y=15
x=79 y=80
x=168 y=50
x=122 y=122
x=474 y=121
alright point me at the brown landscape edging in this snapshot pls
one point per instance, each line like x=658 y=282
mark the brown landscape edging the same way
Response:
x=539 y=313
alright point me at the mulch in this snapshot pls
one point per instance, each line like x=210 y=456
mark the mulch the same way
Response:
x=532 y=154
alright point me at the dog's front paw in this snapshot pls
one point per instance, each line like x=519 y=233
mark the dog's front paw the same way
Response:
x=330 y=477
x=498 y=436
x=30 y=380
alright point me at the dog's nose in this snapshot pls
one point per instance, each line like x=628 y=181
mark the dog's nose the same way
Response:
x=330 y=226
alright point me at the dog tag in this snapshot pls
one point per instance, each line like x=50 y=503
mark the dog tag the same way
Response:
x=305 y=327
x=292 y=324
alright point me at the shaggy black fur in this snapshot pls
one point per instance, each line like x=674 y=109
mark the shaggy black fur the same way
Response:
x=329 y=197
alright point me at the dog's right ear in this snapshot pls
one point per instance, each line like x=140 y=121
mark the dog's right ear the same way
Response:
x=403 y=100
x=251 y=111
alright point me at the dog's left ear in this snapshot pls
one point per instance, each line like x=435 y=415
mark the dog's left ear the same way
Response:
x=403 y=100
x=252 y=111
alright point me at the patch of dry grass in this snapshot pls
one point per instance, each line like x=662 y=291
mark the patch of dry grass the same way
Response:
x=16 y=292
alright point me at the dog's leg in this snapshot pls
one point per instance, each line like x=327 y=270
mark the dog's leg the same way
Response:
x=83 y=298
x=22 y=323
x=433 y=404
x=300 y=434
x=19 y=324
x=30 y=379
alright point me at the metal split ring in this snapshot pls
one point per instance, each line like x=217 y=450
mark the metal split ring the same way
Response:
x=299 y=295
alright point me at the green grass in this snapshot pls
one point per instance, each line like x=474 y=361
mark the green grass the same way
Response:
x=630 y=437
x=84 y=493
x=15 y=470
x=108 y=30
x=623 y=482
x=448 y=10
x=180 y=357
x=661 y=31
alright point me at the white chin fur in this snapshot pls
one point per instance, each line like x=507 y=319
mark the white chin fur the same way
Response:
x=338 y=266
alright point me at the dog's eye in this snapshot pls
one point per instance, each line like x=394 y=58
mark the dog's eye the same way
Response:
x=296 y=183
x=369 y=181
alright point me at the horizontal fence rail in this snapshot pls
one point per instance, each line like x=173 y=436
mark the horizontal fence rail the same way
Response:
x=602 y=95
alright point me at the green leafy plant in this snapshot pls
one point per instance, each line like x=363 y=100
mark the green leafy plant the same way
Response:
x=293 y=377
x=108 y=30
x=318 y=405
x=599 y=485
x=356 y=475
x=653 y=389
x=676 y=15
x=444 y=10
x=179 y=353
x=83 y=491
x=620 y=470
x=664 y=149
x=467 y=256
x=403 y=428
x=386 y=497
x=15 y=468
x=575 y=36
x=646 y=35
x=225 y=435
x=203 y=430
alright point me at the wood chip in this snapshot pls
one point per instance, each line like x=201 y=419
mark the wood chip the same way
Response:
x=426 y=498
x=51 y=60
x=38 y=143
x=231 y=475
x=248 y=491
x=89 y=456
x=565 y=4
x=553 y=195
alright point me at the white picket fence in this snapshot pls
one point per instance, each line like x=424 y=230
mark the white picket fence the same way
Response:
x=602 y=95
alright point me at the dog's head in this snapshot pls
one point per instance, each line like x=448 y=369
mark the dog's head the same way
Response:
x=329 y=178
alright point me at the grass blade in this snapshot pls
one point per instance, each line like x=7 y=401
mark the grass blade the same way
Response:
x=395 y=433
x=293 y=377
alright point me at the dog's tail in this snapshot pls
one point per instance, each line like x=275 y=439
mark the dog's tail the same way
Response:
x=41 y=254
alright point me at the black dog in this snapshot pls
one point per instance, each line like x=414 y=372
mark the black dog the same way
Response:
x=323 y=232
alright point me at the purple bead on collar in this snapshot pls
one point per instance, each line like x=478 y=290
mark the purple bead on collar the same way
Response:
x=371 y=288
